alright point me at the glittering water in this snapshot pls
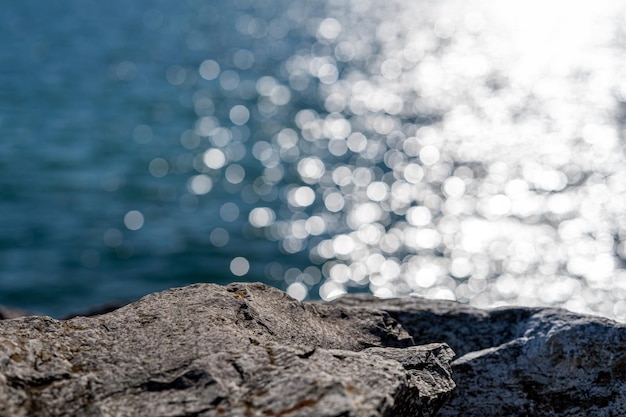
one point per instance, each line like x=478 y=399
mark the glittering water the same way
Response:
x=461 y=150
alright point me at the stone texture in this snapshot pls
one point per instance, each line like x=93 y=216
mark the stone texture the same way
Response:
x=205 y=350
x=250 y=350
x=519 y=361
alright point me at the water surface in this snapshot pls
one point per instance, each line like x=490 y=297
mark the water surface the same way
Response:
x=461 y=150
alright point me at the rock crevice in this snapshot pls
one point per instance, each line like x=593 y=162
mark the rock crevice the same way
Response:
x=519 y=361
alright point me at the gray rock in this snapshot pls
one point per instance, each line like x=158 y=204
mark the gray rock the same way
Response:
x=206 y=350
x=519 y=361
x=250 y=350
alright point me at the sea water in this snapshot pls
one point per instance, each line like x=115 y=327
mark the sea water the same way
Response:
x=461 y=150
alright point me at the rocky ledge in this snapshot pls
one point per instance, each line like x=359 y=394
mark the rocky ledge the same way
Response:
x=250 y=350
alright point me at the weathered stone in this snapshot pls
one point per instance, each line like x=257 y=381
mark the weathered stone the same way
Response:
x=519 y=361
x=206 y=350
x=249 y=350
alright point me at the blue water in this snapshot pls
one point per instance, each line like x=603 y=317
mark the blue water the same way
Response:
x=77 y=79
x=320 y=146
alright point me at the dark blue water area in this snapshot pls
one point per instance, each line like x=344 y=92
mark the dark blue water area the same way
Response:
x=85 y=106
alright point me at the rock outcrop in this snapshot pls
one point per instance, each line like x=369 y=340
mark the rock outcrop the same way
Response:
x=250 y=350
x=206 y=350
x=519 y=361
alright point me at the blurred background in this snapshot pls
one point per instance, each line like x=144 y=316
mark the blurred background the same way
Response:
x=464 y=150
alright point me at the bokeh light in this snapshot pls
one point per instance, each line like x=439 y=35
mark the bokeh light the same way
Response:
x=134 y=220
x=436 y=149
x=239 y=266
x=467 y=150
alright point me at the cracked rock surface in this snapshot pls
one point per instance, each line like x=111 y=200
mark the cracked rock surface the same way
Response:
x=250 y=350
x=208 y=350
x=519 y=361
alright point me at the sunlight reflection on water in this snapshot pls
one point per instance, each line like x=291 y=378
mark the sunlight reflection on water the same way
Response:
x=469 y=150
x=460 y=150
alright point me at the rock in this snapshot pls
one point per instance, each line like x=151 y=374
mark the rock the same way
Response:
x=519 y=361
x=206 y=350
x=11 y=313
x=250 y=350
